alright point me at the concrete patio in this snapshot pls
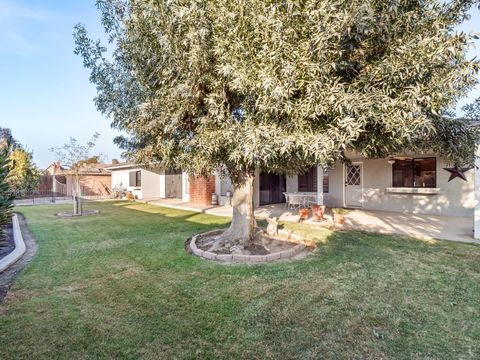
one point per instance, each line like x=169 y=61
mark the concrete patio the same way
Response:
x=428 y=227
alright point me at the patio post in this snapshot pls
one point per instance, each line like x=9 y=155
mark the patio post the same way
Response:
x=477 y=195
x=319 y=185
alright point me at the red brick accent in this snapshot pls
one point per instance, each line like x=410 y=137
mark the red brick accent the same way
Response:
x=201 y=190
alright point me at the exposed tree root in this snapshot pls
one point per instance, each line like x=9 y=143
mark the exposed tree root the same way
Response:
x=228 y=240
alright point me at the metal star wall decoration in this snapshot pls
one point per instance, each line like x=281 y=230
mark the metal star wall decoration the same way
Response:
x=457 y=171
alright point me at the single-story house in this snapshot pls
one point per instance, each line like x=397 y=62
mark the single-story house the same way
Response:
x=406 y=183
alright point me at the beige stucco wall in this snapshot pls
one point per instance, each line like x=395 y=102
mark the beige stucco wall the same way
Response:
x=120 y=179
x=222 y=183
x=151 y=183
x=185 y=186
x=455 y=198
x=151 y=179
x=162 y=186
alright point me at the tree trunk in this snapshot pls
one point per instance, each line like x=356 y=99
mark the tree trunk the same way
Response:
x=243 y=226
x=76 y=198
x=76 y=207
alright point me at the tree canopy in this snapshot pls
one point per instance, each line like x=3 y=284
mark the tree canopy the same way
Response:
x=7 y=141
x=472 y=110
x=281 y=85
x=6 y=195
x=75 y=154
x=23 y=175
x=7 y=145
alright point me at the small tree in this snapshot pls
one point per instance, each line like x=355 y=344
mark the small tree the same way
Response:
x=280 y=85
x=73 y=155
x=23 y=175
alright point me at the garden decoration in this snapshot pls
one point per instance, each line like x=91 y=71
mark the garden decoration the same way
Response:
x=339 y=215
x=457 y=171
x=272 y=227
x=318 y=211
x=303 y=213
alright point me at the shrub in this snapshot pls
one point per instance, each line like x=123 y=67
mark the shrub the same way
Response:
x=6 y=195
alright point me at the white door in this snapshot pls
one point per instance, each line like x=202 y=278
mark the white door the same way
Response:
x=353 y=185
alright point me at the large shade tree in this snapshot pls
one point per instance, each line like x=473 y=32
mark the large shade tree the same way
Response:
x=280 y=85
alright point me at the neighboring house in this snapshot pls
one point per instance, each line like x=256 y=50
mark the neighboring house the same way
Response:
x=94 y=180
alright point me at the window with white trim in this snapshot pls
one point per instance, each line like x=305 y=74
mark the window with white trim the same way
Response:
x=135 y=178
x=415 y=173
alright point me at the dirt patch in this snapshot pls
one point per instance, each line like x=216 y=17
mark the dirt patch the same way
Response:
x=20 y=295
x=126 y=271
x=263 y=244
x=8 y=276
x=7 y=245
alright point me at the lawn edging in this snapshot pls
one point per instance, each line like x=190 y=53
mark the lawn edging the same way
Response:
x=20 y=247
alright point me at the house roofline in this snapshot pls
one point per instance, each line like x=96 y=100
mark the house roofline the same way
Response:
x=84 y=173
x=123 y=166
x=132 y=166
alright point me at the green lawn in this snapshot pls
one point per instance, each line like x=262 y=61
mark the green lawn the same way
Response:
x=120 y=285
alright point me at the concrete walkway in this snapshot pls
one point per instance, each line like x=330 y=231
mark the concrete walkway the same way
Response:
x=184 y=205
x=427 y=227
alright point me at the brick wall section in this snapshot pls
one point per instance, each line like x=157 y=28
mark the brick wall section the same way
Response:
x=201 y=190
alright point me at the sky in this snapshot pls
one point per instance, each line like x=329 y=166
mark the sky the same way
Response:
x=45 y=94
